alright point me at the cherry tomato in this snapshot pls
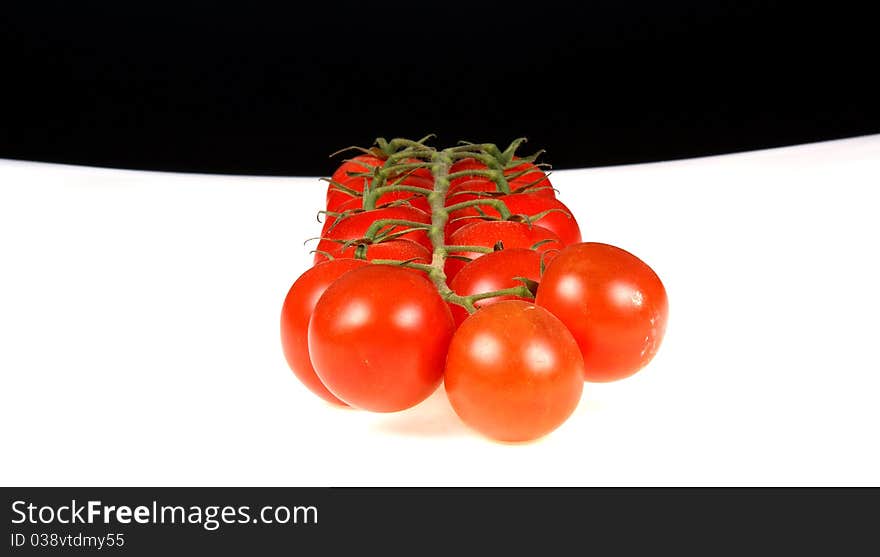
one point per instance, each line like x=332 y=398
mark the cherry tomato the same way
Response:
x=378 y=338
x=423 y=173
x=466 y=185
x=337 y=197
x=295 y=313
x=357 y=164
x=355 y=225
x=559 y=219
x=525 y=177
x=355 y=204
x=612 y=302
x=528 y=176
x=494 y=271
x=489 y=188
x=400 y=249
x=514 y=372
x=489 y=233
x=462 y=165
x=418 y=201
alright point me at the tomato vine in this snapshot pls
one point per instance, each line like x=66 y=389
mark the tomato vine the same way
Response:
x=403 y=158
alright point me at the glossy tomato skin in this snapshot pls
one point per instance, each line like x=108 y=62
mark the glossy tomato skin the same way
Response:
x=489 y=233
x=355 y=225
x=295 y=314
x=613 y=303
x=378 y=338
x=514 y=372
x=494 y=271
x=558 y=219
x=400 y=249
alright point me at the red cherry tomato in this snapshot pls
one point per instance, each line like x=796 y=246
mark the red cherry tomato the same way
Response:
x=494 y=271
x=462 y=165
x=523 y=178
x=528 y=176
x=514 y=372
x=612 y=302
x=465 y=185
x=489 y=233
x=418 y=201
x=357 y=164
x=423 y=173
x=559 y=219
x=337 y=197
x=489 y=188
x=295 y=313
x=378 y=338
x=355 y=225
x=355 y=204
x=400 y=249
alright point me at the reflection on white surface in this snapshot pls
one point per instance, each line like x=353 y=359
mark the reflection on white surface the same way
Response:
x=139 y=334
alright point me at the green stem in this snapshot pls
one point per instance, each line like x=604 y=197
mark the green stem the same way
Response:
x=439 y=215
x=398 y=149
x=382 y=223
x=521 y=291
x=379 y=192
x=493 y=162
x=491 y=174
x=496 y=204
x=408 y=264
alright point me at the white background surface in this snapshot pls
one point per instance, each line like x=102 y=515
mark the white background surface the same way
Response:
x=139 y=334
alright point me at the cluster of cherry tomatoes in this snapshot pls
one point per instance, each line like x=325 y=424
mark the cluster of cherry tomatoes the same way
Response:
x=462 y=267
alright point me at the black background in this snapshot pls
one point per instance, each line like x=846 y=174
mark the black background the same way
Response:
x=256 y=89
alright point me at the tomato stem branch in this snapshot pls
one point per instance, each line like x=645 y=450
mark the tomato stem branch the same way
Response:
x=496 y=204
x=407 y=155
x=378 y=225
x=521 y=291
